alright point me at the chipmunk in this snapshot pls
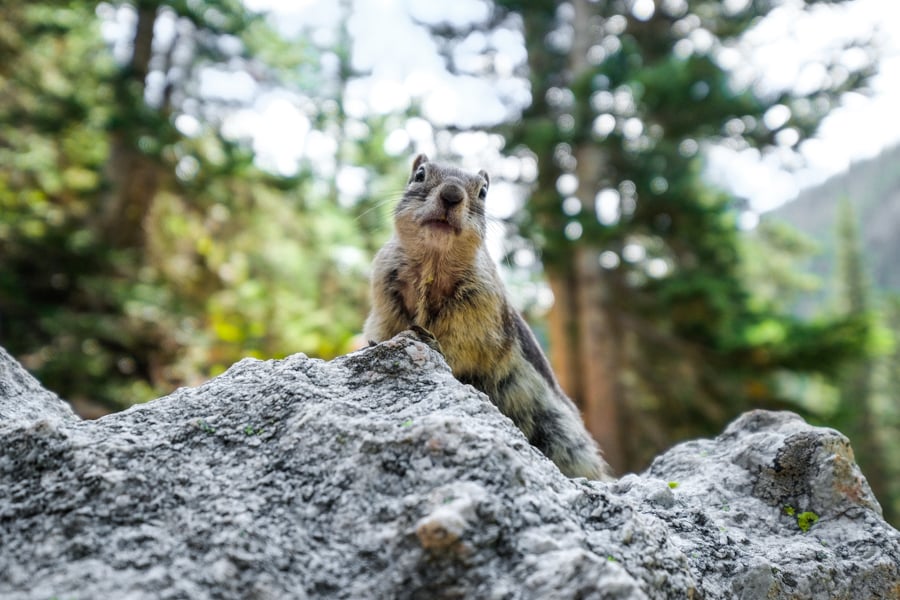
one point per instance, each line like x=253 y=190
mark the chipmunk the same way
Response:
x=436 y=274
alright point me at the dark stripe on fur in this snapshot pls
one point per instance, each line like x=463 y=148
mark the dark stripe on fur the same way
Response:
x=509 y=325
x=465 y=293
x=532 y=350
x=392 y=285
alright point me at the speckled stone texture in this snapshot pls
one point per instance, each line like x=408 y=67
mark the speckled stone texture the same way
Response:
x=378 y=475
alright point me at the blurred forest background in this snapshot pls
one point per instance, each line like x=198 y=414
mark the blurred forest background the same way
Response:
x=155 y=228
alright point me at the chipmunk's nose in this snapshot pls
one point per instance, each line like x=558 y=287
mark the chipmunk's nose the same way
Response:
x=451 y=195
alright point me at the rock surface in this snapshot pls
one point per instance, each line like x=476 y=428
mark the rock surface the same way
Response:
x=378 y=475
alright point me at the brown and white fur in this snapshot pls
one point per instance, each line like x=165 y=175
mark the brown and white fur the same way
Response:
x=436 y=274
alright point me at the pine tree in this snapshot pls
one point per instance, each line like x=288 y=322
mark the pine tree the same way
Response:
x=142 y=245
x=890 y=425
x=652 y=331
x=856 y=415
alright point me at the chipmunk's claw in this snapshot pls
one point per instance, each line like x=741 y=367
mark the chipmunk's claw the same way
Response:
x=426 y=337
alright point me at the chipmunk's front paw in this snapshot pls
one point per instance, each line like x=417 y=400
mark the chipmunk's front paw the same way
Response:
x=426 y=337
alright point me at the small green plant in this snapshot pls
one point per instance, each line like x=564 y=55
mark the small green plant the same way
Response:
x=250 y=430
x=205 y=427
x=673 y=485
x=807 y=519
x=407 y=423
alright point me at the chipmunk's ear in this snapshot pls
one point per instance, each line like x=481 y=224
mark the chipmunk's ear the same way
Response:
x=418 y=170
x=421 y=159
x=482 y=193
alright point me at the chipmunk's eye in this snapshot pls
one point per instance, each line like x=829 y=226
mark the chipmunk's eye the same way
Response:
x=482 y=193
x=420 y=175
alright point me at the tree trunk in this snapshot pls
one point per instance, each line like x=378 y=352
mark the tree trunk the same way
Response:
x=599 y=350
x=132 y=175
x=563 y=333
x=585 y=351
x=597 y=337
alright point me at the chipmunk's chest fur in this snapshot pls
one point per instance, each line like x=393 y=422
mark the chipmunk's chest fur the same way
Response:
x=468 y=317
x=427 y=293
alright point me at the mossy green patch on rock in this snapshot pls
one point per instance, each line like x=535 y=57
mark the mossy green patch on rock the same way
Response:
x=806 y=519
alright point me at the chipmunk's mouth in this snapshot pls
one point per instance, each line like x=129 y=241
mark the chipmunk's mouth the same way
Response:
x=442 y=225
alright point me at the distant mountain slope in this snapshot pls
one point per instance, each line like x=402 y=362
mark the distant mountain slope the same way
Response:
x=873 y=186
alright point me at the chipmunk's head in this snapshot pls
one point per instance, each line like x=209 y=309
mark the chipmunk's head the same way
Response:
x=442 y=208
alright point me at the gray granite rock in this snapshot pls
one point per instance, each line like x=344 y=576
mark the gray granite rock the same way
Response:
x=378 y=475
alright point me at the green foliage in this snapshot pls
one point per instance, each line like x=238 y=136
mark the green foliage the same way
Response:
x=136 y=257
x=857 y=397
x=625 y=106
x=773 y=257
x=887 y=380
x=857 y=414
x=60 y=288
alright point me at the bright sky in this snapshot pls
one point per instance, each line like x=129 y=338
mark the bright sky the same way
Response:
x=788 y=45
x=786 y=48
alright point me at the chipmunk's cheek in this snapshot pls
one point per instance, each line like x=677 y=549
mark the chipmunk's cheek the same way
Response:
x=409 y=231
